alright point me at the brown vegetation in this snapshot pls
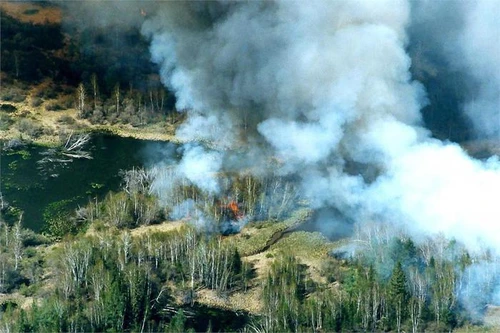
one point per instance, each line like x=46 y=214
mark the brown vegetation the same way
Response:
x=30 y=12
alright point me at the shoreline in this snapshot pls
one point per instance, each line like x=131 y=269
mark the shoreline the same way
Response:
x=52 y=141
x=54 y=124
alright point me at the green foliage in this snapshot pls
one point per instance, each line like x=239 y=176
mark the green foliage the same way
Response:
x=116 y=282
x=96 y=185
x=58 y=219
x=8 y=108
x=398 y=296
x=11 y=94
x=114 y=307
x=178 y=323
x=397 y=285
x=283 y=291
x=5 y=122
x=117 y=209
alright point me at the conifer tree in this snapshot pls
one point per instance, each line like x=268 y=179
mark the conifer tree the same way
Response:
x=398 y=294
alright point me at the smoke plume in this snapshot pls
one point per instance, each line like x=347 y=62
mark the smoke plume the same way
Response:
x=324 y=87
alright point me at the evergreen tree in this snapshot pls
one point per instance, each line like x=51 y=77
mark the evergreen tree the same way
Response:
x=178 y=323
x=398 y=294
x=114 y=307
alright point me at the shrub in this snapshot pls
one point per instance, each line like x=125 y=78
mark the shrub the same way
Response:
x=113 y=119
x=19 y=97
x=36 y=102
x=135 y=121
x=48 y=131
x=31 y=238
x=47 y=93
x=54 y=106
x=30 y=128
x=118 y=210
x=66 y=119
x=67 y=103
x=12 y=280
x=8 y=108
x=97 y=117
x=6 y=95
x=5 y=122
x=12 y=94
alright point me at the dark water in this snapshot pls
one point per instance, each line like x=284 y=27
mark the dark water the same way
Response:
x=31 y=187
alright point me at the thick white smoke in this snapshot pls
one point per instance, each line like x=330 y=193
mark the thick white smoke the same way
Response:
x=466 y=36
x=480 y=44
x=321 y=91
x=323 y=85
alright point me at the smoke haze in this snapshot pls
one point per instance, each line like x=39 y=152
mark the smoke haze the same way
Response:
x=462 y=37
x=324 y=85
x=325 y=88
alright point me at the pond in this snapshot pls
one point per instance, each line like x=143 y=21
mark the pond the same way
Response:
x=31 y=186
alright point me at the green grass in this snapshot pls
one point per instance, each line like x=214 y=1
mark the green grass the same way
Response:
x=302 y=243
x=263 y=232
x=475 y=329
x=256 y=242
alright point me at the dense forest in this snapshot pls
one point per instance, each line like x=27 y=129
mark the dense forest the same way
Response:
x=87 y=71
x=90 y=272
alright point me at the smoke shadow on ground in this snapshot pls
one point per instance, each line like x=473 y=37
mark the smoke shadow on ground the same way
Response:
x=330 y=222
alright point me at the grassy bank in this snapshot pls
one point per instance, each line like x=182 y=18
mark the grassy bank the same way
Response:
x=27 y=120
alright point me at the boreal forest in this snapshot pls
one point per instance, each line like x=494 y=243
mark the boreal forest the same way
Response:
x=250 y=166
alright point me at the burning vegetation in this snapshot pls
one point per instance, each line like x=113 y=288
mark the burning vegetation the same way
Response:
x=232 y=211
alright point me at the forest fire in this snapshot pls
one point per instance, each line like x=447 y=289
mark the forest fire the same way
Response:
x=232 y=211
x=274 y=166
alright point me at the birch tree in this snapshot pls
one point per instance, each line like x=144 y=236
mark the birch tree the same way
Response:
x=81 y=94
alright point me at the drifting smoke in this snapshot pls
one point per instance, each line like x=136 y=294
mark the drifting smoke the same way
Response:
x=480 y=45
x=325 y=87
x=463 y=37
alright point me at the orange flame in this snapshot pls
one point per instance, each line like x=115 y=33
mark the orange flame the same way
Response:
x=232 y=206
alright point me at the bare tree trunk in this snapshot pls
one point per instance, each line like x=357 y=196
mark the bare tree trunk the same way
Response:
x=117 y=98
x=95 y=88
x=18 y=243
x=81 y=99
